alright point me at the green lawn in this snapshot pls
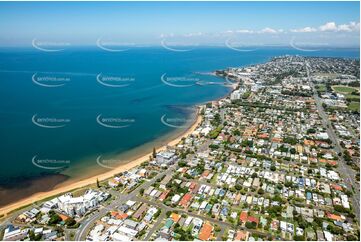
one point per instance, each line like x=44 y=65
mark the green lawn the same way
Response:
x=321 y=88
x=354 y=106
x=343 y=89
x=353 y=97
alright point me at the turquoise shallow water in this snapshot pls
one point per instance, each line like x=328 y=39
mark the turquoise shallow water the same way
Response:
x=123 y=91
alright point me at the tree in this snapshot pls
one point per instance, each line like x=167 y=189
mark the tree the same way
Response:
x=251 y=225
x=98 y=185
x=311 y=131
x=334 y=229
x=154 y=152
x=347 y=156
x=236 y=132
x=34 y=237
x=260 y=191
x=54 y=219
x=70 y=222
x=299 y=238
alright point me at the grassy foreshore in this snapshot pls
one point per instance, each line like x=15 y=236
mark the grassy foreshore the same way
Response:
x=63 y=188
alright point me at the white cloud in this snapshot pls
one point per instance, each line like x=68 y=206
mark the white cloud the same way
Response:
x=167 y=35
x=268 y=31
x=244 y=31
x=332 y=26
x=327 y=27
x=351 y=27
x=304 y=30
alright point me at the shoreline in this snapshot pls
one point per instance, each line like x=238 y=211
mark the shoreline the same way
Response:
x=7 y=209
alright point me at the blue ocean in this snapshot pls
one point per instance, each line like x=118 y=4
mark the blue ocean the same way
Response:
x=61 y=113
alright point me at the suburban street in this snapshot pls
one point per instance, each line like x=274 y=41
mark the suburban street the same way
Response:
x=346 y=172
x=89 y=222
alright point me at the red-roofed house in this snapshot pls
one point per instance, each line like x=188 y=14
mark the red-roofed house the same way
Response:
x=185 y=200
x=241 y=235
x=175 y=217
x=243 y=216
x=206 y=173
x=253 y=219
x=333 y=216
x=164 y=195
x=206 y=232
x=122 y=216
x=336 y=187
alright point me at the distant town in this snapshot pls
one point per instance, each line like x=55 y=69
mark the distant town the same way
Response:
x=277 y=159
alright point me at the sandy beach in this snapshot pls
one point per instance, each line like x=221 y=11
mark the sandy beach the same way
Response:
x=91 y=180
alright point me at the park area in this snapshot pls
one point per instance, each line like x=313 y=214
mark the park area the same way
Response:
x=351 y=94
x=344 y=89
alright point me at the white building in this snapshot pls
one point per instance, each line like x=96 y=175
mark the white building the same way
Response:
x=80 y=205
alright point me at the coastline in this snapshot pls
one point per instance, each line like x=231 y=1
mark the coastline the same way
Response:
x=62 y=188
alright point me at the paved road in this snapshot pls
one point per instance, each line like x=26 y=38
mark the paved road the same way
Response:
x=220 y=234
x=89 y=222
x=223 y=224
x=156 y=225
x=9 y=219
x=346 y=172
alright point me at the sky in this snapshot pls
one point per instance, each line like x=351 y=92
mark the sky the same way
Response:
x=180 y=23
